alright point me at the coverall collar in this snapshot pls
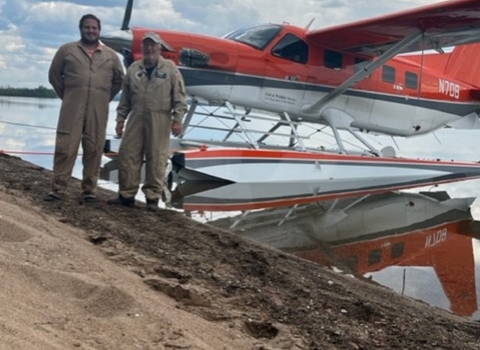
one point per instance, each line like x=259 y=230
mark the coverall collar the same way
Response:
x=160 y=63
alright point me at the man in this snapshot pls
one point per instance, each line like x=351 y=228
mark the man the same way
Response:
x=153 y=98
x=86 y=75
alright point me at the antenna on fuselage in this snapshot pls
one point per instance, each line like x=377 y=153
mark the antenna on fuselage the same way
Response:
x=310 y=23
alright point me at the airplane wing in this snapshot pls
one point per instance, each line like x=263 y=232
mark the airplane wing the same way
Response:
x=443 y=24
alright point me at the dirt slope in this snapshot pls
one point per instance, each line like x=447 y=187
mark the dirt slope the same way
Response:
x=90 y=276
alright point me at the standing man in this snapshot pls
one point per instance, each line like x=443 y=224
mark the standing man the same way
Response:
x=153 y=99
x=86 y=75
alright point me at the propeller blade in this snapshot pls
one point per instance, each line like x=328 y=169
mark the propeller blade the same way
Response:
x=128 y=14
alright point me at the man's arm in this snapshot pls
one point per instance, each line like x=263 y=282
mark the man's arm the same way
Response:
x=179 y=97
x=124 y=106
x=179 y=103
x=118 y=76
x=55 y=73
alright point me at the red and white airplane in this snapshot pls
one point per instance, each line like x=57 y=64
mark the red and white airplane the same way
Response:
x=348 y=76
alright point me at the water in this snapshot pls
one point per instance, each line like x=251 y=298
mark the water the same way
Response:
x=420 y=245
x=27 y=130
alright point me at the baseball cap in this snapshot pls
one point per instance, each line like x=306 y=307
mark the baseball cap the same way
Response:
x=153 y=36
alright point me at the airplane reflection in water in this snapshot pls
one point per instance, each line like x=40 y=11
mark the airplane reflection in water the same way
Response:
x=373 y=234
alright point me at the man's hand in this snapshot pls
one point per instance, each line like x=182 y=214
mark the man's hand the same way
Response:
x=177 y=128
x=119 y=128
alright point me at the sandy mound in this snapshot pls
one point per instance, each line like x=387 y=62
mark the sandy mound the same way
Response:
x=88 y=276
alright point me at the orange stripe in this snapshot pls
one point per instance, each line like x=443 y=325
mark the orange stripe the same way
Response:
x=285 y=155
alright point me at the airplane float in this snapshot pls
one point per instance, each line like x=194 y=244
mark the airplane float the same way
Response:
x=349 y=77
x=387 y=237
x=241 y=179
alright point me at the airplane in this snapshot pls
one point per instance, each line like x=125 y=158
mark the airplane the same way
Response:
x=389 y=238
x=351 y=77
x=354 y=77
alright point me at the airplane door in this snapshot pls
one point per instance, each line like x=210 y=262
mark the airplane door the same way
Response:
x=286 y=71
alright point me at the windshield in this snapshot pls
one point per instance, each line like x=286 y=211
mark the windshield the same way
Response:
x=257 y=36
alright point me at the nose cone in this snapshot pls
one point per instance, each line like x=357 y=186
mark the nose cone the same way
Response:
x=119 y=40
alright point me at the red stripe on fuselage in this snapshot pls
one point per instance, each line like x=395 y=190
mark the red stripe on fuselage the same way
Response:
x=292 y=155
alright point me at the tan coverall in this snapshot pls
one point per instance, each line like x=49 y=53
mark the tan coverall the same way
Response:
x=86 y=86
x=149 y=106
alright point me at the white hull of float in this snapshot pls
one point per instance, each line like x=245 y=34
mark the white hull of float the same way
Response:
x=254 y=179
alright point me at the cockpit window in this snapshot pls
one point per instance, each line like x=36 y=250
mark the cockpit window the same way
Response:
x=257 y=36
x=291 y=48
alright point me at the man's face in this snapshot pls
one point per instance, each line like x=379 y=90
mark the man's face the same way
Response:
x=90 y=32
x=151 y=50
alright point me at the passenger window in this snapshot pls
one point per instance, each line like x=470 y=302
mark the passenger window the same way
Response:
x=333 y=59
x=374 y=256
x=397 y=250
x=291 y=48
x=411 y=80
x=388 y=74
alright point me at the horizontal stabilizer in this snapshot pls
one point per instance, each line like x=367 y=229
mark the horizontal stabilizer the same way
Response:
x=468 y=122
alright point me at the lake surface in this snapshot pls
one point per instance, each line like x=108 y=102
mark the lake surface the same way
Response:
x=421 y=245
x=28 y=127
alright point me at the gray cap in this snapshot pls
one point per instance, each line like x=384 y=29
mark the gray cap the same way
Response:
x=153 y=36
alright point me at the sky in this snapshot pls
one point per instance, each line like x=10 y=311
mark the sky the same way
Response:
x=32 y=30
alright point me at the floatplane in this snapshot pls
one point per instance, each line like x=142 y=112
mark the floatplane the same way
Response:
x=391 y=237
x=353 y=77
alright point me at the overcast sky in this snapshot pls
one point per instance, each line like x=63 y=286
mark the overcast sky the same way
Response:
x=32 y=30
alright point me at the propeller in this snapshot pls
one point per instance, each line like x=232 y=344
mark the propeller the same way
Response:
x=128 y=14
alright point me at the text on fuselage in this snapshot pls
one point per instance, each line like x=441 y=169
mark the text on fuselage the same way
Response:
x=448 y=88
x=436 y=238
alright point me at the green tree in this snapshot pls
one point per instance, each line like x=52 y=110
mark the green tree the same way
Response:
x=41 y=91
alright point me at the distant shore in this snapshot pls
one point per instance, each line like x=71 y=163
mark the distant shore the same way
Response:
x=40 y=91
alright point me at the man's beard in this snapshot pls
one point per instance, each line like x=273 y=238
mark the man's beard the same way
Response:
x=88 y=41
x=150 y=59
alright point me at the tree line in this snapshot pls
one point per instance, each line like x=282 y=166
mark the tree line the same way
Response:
x=40 y=91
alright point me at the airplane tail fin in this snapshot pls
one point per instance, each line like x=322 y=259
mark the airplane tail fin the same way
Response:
x=464 y=64
x=461 y=63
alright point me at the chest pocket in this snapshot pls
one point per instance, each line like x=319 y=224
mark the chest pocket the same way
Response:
x=138 y=82
x=76 y=70
x=100 y=62
x=160 y=78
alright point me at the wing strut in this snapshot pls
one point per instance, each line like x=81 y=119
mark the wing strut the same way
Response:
x=190 y=113
x=294 y=132
x=242 y=125
x=362 y=74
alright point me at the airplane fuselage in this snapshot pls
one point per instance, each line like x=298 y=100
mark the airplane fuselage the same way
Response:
x=276 y=68
x=389 y=113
